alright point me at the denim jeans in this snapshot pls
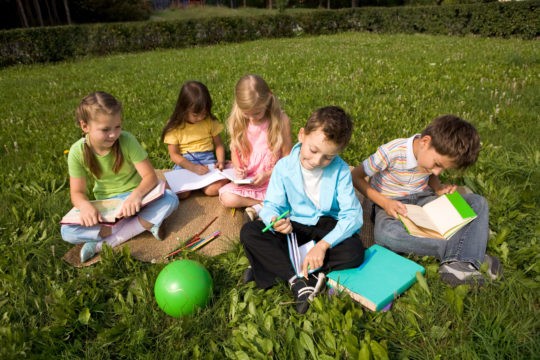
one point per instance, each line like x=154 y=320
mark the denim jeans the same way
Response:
x=203 y=157
x=154 y=213
x=467 y=245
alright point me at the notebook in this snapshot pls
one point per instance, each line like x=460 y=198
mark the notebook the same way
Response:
x=382 y=277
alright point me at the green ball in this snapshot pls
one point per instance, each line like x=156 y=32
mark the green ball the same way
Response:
x=182 y=287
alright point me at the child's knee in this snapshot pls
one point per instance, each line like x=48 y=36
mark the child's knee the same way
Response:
x=226 y=199
x=248 y=232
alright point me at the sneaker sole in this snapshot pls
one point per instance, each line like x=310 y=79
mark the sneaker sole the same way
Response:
x=452 y=280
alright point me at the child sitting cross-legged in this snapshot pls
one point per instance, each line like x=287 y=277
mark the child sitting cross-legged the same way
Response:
x=406 y=171
x=314 y=184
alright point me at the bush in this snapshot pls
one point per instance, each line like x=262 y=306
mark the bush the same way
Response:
x=23 y=46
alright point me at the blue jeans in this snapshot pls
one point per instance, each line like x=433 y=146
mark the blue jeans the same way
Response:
x=154 y=213
x=467 y=245
x=203 y=157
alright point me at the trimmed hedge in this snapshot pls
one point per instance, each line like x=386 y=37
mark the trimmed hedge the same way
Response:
x=49 y=44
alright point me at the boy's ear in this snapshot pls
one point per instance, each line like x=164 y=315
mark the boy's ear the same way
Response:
x=301 y=135
x=425 y=141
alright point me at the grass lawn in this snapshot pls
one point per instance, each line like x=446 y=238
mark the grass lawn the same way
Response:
x=392 y=85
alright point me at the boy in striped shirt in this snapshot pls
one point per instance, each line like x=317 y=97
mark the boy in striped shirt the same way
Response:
x=406 y=171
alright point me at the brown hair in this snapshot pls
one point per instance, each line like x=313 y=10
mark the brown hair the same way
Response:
x=454 y=137
x=194 y=97
x=91 y=105
x=334 y=122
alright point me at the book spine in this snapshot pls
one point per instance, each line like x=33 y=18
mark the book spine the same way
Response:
x=356 y=297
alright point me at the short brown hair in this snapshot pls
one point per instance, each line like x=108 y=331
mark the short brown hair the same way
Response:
x=334 y=122
x=454 y=137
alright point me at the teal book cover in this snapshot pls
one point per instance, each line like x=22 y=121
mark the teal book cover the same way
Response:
x=382 y=277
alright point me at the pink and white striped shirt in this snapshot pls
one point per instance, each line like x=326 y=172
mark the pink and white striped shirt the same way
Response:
x=394 y=171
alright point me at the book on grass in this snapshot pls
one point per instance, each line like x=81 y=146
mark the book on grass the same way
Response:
x=297 y=254
x=440 y=218
x=183 y=180
x=109 y=208
x=382 y=277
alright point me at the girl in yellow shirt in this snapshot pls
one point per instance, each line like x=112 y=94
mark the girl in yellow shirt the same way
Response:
x=192 y=135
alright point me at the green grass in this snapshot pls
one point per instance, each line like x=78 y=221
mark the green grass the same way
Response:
x=391 y=84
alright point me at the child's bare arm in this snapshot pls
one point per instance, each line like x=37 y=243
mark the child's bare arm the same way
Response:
x=220 y=152
x=239 y=170
x=440 y=188
x=315 y=257
x=90 y=216
x=132 y=204
x=390 y=206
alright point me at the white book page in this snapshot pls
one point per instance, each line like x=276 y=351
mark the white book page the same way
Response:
x=419 y=216
x=184 y=180
x=229 y=174
x=303 y=250
x=443 y=214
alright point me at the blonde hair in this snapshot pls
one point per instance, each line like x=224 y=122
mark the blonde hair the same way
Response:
x=92 y=105
x=253 y=94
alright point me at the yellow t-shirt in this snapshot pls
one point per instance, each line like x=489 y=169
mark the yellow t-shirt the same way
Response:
x=194 y=137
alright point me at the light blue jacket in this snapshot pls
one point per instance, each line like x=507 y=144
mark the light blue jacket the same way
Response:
x=337 y=198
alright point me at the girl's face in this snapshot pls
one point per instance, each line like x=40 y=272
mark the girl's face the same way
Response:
x=316 y=151
x=193 y=118
x=254 y=115
x=103 y=130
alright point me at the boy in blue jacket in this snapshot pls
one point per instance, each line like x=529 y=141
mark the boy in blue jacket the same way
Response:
x=314 y=184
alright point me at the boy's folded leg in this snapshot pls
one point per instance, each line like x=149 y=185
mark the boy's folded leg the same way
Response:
x=459 y=273
x=493 y=267
x=305 y=290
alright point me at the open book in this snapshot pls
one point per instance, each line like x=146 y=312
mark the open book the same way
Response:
x=109 y=208
x=297 y=254
x=184 y=180
x=440 y=218
x=382 y=277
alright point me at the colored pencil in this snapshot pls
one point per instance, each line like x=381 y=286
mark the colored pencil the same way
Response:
x=275 y=221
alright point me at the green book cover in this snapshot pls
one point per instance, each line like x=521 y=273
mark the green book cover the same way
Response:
x=461 y=205
x=382 y=277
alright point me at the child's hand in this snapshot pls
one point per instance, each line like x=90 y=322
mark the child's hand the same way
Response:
x=283 y=226
x=90 y=216
x=240 y=173
x=446 y=189
x=394 y=207
x=315 y=257
x=261 y=178
x=220 y=165
x=200 y=169
x=130 y=206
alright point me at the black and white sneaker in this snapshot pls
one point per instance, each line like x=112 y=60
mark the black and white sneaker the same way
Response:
x=494 y=267
x=305 y=290
x=458 y=273
x=247 y=276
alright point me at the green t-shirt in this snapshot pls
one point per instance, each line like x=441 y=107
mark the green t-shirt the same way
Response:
x=109 y=184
